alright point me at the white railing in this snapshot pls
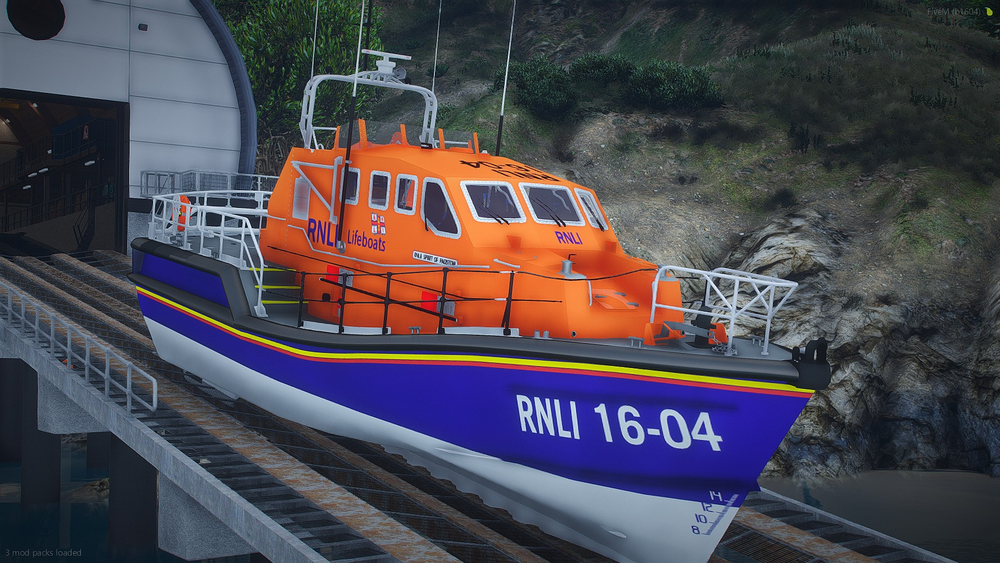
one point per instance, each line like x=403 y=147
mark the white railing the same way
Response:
x=216 y=224
x=732 y=294
x=161 y=182
x=55 y=335
x=385 y=77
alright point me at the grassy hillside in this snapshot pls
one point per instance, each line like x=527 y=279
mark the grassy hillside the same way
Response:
x=883 y=112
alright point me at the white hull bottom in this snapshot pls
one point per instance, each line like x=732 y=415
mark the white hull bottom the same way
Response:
x=625 y=526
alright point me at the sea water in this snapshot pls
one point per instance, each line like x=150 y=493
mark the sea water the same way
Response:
x=75 y=530
x=955 y=514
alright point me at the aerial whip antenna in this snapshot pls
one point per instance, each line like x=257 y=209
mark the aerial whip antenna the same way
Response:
x=341 y=247
x=506 y=72
x=437 y=41
x=368 y=29
x=312 y=67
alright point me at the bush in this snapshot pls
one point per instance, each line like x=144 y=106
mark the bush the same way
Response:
x=275 y=38
x=543 y=88
x=663 y=85
x=595 y=68
x=442 y=69
x=548 y=92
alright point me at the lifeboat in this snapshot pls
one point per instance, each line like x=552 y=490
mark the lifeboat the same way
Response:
x=479 y=316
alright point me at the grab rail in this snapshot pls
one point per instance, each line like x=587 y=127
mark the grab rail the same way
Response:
x=751 y=296
x=189 y=220
x=54 y=334
x=162 y=182
x=440 y=311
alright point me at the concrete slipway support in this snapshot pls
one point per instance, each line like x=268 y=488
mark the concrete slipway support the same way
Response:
x=190 y=532
x=131 y=504
x=59 y=415
x=35 y=413
x=10 y=411
x=142 y=510
x=245 y=522
x=41 y=455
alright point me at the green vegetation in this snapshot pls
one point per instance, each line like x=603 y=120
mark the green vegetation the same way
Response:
x=276 y=40
x=876 y=95
x=541 y=87
x=549 y=92
x=663 y=86
x=646 y=42
x=601 y=70
x=883 y=105
x=524 y=137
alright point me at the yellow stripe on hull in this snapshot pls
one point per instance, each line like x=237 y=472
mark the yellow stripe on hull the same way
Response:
x=461 y=358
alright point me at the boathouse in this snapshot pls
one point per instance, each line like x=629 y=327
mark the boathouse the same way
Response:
x=93 y=93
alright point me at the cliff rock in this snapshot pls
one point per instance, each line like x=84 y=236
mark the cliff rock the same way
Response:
x=914 y=380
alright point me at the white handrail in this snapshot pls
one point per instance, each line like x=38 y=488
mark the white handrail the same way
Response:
x=385 y=77
x=53 y=333
x=197 y=222
x=755 y=299
x=160 y=182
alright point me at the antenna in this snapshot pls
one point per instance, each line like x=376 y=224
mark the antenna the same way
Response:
x=368 y=29
x=312 y=67
x=341 y=247
x=437 y=40
x=506 y=72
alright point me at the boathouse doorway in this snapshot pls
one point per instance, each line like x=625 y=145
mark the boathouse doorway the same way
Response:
x=63 y=173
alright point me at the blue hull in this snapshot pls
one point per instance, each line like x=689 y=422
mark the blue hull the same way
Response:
x=564 y=418
x=669 y=445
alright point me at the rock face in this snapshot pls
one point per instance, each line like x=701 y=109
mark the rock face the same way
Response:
x=914 y=338
x=915 y=381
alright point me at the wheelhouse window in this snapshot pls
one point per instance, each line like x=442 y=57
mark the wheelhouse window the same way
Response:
x=493 y=201
x=406 y=194
x=378 y=194
x=591 y=209
x=351 y=186
x=552 y=205
x=437 y=212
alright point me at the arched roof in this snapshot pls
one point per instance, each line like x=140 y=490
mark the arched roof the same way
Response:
x=173 y=62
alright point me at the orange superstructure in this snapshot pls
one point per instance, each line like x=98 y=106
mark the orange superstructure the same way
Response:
x=430 y=234
x=511 y=246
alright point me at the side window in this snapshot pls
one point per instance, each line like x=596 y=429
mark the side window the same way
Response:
x=351 y=188
x=378 y=195
x=406 y=194
x=591 y=210
x=437 y=211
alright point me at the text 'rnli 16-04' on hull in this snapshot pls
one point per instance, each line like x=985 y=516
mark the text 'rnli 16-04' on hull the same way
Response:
x=479 y=317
